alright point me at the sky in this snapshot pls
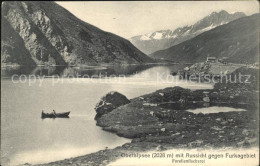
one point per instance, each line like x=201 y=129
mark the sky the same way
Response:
x=131 y=18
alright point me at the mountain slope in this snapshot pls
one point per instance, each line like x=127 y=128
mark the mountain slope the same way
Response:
x=237 y=40
x=163 y=39
x=52 y=35
x=13 y=47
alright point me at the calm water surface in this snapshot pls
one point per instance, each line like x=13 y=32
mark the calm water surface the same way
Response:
x=215 y=109
x=26 y=138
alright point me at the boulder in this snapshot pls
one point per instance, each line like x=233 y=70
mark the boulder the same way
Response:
x=109 y=102
x=163 y=129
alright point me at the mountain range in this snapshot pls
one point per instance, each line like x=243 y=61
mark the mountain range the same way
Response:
x=44 y=33
x=162 y=39
x=237 y=40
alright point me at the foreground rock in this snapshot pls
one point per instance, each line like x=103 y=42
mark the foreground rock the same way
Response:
x=169 y=105
x=109 y=102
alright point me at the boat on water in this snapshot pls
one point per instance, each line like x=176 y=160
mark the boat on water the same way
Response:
x=173 y=73
x=55 y=115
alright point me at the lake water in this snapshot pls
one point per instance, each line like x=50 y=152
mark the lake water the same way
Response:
x=26 y=138
x=215 y=109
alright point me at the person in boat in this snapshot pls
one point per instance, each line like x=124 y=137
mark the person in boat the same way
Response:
x=54 y=113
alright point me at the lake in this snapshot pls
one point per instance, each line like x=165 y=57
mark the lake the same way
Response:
x=26 y=138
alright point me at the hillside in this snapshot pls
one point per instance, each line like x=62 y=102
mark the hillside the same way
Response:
x=45 y=33
x=237 y=40
x=162 y=39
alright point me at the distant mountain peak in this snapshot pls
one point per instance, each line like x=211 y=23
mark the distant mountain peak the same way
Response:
x=223 y=12
x=237 y=41
x=163 y=39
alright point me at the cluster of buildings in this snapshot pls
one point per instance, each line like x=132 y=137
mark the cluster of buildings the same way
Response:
x=215 y=60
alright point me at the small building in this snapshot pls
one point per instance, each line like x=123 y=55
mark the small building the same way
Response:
x=223 y=60
x=211 y=59
x=187 y=68
x=256 y=65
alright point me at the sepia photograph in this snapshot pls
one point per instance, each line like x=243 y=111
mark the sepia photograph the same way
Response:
x=130 y=83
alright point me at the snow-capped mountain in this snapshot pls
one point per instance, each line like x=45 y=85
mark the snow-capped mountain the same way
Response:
x=151 y=42
x=237 y=41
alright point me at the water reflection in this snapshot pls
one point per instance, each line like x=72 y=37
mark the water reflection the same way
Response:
x=55 y=118
x=67 y=71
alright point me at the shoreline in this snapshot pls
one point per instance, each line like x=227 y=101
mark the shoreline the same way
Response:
x=98 y=65
x=159 y=127
x=86 y=65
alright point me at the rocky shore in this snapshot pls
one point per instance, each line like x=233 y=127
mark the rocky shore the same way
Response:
x=159 y=121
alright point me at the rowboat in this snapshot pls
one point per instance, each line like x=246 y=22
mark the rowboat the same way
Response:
x=55 y=115
x=174 y=73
